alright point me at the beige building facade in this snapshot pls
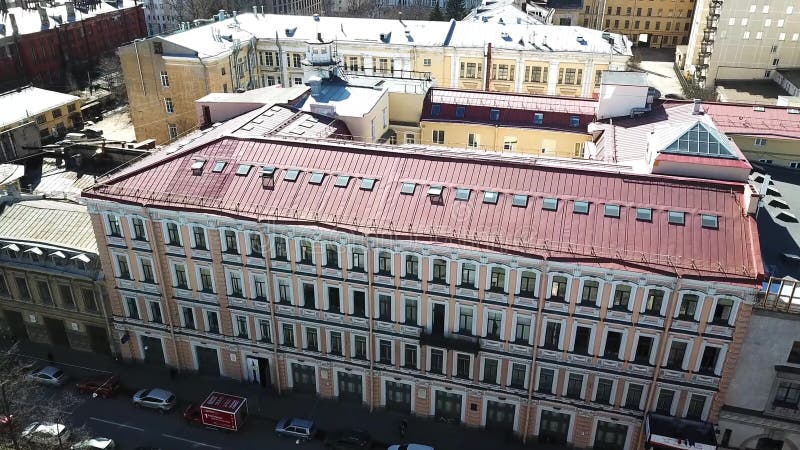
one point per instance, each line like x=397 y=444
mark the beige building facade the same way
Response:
x=653 y=23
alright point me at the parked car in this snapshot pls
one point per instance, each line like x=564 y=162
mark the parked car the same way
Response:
x=46 y=433
x=410 y=447
x=98 y=443
x=292 y=427
x=101 y=386
x=155 y=398
x=192 y=414
x=348 y=439
x=49 y=375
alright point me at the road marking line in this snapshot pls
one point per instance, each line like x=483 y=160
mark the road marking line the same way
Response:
x=117 y=424
x=200 y=444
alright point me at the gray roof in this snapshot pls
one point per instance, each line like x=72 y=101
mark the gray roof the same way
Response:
x=778 y=236
x=624 y=78
x=57 y=224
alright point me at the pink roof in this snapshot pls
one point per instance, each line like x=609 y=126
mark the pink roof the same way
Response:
x=527 y=102
x=730 y=253
x=738 y=118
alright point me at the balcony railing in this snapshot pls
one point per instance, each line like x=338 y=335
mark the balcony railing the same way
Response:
x=467 y=344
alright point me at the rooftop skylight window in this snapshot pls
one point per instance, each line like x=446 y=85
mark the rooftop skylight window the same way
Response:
x=342 y=181
x=644 y=214
x=611 y=211
x=580 y=207
x=759 y=108
x=219 y=166
x=709 y=221
x=435 y=191
x=243 y=170
x=316 y=178
x=549 y=203
x=794 y=111
x=574 y=121
x=462 y=194
x=520 y=200
x=268 y=171
x=538 y=118
x=490 y=197
x=408 y=188
x=367 y=184
x=197 y=166
x=676 y=217
x=291 y=175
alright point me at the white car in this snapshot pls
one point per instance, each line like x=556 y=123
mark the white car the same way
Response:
x=98 y=443
x=49 y=375
x=410 y=447
x=46 y=433
x=159 y=399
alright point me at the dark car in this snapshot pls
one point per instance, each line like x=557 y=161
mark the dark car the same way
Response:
x=101 y=386
x=348 y=440
x=192 y=413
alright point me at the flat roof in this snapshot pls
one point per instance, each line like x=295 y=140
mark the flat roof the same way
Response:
x=387 y=33
x=792 y=75
x=502 y=12
x=780 y=234
x=29 y=21
x=729 y=252
x=266 y=95
x=61 y=224
x=349 y=100
x=28 y=102
x=624 y=78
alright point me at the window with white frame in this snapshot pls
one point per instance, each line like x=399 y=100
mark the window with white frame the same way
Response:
x=179 y=276
x=385 y=307
x=687 y=309
x=643 y=351
x=357 y=259
x=412 y=267
x=280 y=249
x=666 y=397
x=335 y=342
x=494 y=325
x=603 y=391
x=205 y=279
x=410 y=309
x=634 y=396
x=410 y=356
x=581 y=341
x=621 y=297
x=139 y=230
x=613 y=344
x=574 y=387
x=654 y=302
x=187 y=318
x=558 y=288
x=333 y=299
x=518 y=375
x=199 y=238
x=527 y=283
x=306 y=252
x=551 y=339
x=723 y=311
x=168 y=106
x=258 y=286
x=309 y=295
x=385 y=348
x=463 y=366
x=469 y=273
x=439 y=268
x=212 y=321
x=123 y=269
x=676 y=355
x=358 y=306
x=230 y=241
x=331 y=256
x=696 y=408
x=131 y=308
x=384 y=263
x=146 y=269
x=264 y=331
x=465 y=320
x=173 y=234
x=114 y=228
x=710 y=359
x=235 y=288
x=284 y=292
x=254 y=245
x=544 y=383
x=312 y=339
x=522 y=329
x=241 y=326
x=287 y=334
x=359 y=347
x=490 y=370
x=497 y=279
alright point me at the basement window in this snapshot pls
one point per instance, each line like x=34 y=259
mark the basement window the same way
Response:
x=520 y=200
x=219 y=166
x=644 y=214
x=408 y=188
x=676 y=217
x=342 y=181
x=550 y=204
x=291 y=175
x=243 y=170
x=367 y=184
x=580 y=207
x=611 y=211
x=462 y=194
x=316 y=178
x=490 y=197
x=709 y=221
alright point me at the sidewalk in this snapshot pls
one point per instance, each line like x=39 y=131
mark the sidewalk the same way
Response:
x=265 y=404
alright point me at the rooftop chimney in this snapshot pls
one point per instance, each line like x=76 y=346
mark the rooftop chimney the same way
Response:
x=43 y=17
x=697 y=108
x=221 y=15
x=13 y=21
x=255 y=9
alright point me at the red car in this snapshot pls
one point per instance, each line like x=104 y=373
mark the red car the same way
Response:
x=101 y=386
x=192 y=414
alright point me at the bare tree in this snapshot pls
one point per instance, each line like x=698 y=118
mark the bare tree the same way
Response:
x=25 y=402
x=189 y=10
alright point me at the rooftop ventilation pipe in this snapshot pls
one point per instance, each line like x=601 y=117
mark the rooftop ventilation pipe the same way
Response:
x=697 y=108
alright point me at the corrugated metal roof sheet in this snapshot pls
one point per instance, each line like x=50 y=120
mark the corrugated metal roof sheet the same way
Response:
x=58 y=224
x=730 y=253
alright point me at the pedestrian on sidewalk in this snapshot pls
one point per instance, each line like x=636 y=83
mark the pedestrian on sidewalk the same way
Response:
x=403 y=427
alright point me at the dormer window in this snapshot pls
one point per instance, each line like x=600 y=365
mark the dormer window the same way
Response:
x=676 y=217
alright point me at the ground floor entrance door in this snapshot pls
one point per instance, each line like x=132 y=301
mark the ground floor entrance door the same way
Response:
x=207 y=361
x=448 y=406
x=554 y=427
x=499 y=416
x=98 y=340
x=16 y=324
x=610 y=436
x=153 y=351
x=351 y=387
x=56 y=331
x=304 y=379
x=398 y=397
x=258 y=371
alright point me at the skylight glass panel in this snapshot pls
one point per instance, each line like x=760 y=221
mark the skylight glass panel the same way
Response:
x=550 y=203
x=407 y=188
x=794 y=111
x=644 y=214
x=759 y=108
x=219 y=166
x=435 y=191
x=367 y=184
x=709 y=221
x=701 y=141
x=316 y=178
x=490 y=197
x=268 y=171
x=198 y=164
x=291 y=175
x=676 y=217
x=462 y=194
x=611 y=211
x=580 y=207
x=520 y=200
x=342 y=180
x=243 y=169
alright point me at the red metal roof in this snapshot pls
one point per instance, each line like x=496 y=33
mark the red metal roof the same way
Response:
x=570 y=105
x=729 y=253
x=738 y=118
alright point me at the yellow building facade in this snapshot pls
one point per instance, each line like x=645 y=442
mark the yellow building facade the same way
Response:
x=655 y=23
x=256 y=50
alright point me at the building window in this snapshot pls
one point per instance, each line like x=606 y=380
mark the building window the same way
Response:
x=147 y=270
x=309 y=296
x=312 y=342
x=574 y=121
x=199 y=235
x=535 y=74
x=333 y=300
x=89 y=301
x=384 y=263
x=439 y=271
x=786 y=396
x=173 y=235
x=503 y=72
x=231 y=242
x=331 y=256
x=622 y=295
x=412 y=267
x=138 y=229
x=133 y=308
x=664 y=403
x=359 y=304
x=410 y=138
x=306 y=253
x=284 y=292
x=581 y=340
x=241 y=327
x=545 y=384
x=288 y=335
x=468 y=272
x=613 y=344
x=708 y=362
x=436 y=109
x=56 y=113
x=589 y=292
x=574 y=385
x=438 y=136
x=643 y=350
x=280 y=248
x=494 y=325
x=490 y=371
x=522 y=331
x=360 y=343
x=688 y=307
x=114 y=228
x=164 y=79
x=264 y=331
x=122 y=267
x=697 y=404
x=723 y=310
x=497 y=280
x=385 y=351
x=336 y=343
x=518 y=372
x=255 y=244
x=634 y=397
x=538 y=118
x=358 y=259
x=460 y=111
x=603 y=393
x=677 y=351
x=180 y=276
x=794 y=353
x=655 y=298
x=168 y=105
x=384 y=307
x=552 y=335
x=67 y=300
x=411 y=311
x=206 y=284
x=188 y=318
x=44 y=292
x=463 y=363
x=558 y=288
x=437 y=361
x=471 y=70
x=212 y=321
x=570 y=76
x=465 y=320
